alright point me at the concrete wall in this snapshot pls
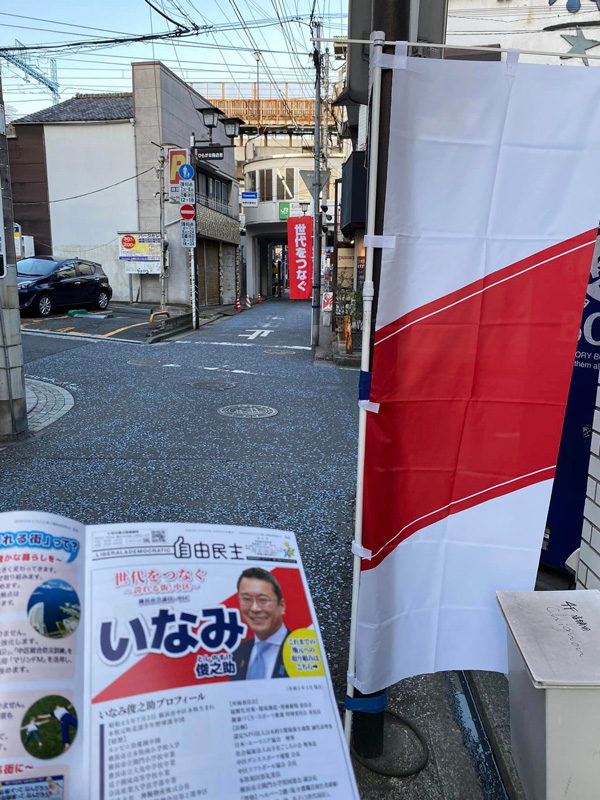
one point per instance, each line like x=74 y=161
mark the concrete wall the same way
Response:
x=172 y=122
x=80 y=158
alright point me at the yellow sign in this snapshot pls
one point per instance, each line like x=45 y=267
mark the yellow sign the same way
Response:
x=301 y=654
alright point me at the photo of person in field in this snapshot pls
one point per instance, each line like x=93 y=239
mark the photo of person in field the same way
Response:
x=49 y=727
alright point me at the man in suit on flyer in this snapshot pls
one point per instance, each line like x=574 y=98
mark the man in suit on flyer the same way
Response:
x=262 y=607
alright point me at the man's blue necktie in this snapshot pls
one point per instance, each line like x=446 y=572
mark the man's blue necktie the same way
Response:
x=257 y=669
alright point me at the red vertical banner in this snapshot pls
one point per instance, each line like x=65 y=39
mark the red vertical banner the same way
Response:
x=300 y=256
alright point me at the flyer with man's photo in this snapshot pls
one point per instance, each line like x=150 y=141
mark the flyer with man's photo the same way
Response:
x=159 y=661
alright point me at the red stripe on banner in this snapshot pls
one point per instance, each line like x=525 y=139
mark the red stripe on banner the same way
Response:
x=300 y=260
x=472 y=391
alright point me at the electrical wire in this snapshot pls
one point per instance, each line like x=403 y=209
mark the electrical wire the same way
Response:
x=109 y=42
x=165 y=16
x=85 y=194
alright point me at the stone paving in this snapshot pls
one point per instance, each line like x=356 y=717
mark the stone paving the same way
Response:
x=45 y=403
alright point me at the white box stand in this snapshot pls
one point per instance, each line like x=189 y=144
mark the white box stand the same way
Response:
x=554 y=683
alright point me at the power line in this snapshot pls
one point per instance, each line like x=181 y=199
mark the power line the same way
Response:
x=109 y=42
x=66 y=24
x=85 y=194
x=162 y=14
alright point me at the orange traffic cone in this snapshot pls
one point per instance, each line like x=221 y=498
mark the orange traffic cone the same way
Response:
x=248 y=303
x=238 y=305
x=259 y=298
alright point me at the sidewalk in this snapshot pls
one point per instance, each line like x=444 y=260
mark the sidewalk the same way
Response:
x=329 y=349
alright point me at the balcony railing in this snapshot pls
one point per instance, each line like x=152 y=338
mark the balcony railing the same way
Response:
x=216 y=205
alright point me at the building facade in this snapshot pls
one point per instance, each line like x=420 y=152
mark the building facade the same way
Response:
x=279 y=168
x=85 y=170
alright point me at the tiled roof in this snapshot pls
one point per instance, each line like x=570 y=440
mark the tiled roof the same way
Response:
x=85 y=108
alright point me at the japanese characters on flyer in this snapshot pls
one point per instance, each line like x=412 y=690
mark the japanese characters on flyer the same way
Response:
x=42 y=578
x=199 y=671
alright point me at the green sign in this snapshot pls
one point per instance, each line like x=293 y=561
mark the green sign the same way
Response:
x=284 y=210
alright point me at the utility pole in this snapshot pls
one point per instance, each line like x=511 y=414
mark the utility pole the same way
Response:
x=316 y=288
x=257 y=57
x=13 y=402
x=325 y=130
x=160 y=174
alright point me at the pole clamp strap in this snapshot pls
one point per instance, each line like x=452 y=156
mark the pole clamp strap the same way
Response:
x=368 y=290
x=373 y=240
x=397 y=61
x=367 y=405
x=361 y=552
x=367 y=705
x=512 y=62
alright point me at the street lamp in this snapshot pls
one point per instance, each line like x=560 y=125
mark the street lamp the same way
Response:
x=232 y=127
x=304 y=207
x=210 y=118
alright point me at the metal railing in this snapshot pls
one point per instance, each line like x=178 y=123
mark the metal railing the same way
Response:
x=216 y=205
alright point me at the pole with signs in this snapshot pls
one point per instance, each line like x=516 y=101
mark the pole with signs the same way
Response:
x=316 y=193
x=13 y=403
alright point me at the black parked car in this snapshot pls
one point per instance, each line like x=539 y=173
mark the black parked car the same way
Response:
x=46 y=283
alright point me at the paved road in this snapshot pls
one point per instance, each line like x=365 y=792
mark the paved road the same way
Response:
x=146 y=441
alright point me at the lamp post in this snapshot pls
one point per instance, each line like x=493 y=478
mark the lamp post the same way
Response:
x=210 y=118
x=304 y=207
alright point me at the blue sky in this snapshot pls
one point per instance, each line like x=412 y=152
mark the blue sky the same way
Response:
x=217 y=56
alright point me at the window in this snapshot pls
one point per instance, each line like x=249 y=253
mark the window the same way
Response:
x=67 y=271
x=251 y=181
x=266 y=184
x=217 y=190
x=225 y=194
x=285 y=184
x=85 y=269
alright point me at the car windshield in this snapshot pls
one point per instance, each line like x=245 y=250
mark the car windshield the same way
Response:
x=35 y=267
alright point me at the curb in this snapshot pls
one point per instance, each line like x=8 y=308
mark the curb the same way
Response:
x=486 y=687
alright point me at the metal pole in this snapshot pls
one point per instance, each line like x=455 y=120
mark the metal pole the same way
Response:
x=192 y=255
x=13 y=404
x=316 y=288
x=163 y=277
x=337 y=184
x=377 y=38
x=257 y=57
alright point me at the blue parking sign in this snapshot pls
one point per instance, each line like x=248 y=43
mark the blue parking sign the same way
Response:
x=186 y=172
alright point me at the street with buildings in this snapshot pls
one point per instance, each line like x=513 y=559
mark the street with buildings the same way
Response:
x=228 y=273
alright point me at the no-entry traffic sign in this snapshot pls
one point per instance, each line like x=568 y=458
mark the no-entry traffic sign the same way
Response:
x=187 y=211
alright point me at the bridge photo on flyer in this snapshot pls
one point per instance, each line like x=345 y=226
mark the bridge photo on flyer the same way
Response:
x=163 y=660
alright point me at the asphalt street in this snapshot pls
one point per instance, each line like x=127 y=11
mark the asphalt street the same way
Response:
x=145 y=440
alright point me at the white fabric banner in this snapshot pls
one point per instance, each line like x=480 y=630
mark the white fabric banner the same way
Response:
x=493 y=199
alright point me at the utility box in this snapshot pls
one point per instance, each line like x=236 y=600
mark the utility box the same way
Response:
x=554 y=686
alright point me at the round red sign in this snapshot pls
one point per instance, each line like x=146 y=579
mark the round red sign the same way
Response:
x=187 y=211
x=128 y=241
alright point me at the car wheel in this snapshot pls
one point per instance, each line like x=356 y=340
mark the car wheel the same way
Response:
x=45 y=305
x=102 y=301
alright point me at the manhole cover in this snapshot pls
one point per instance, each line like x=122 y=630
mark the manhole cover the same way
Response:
x=280 y=352
x=219 y=386
x=246 y=411
x=149 y=362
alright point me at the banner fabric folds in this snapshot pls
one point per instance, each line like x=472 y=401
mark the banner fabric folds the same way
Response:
x=493 y=199
x=300 y=260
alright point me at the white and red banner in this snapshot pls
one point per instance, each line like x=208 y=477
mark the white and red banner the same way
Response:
x=300 y=260
x=492 y=197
